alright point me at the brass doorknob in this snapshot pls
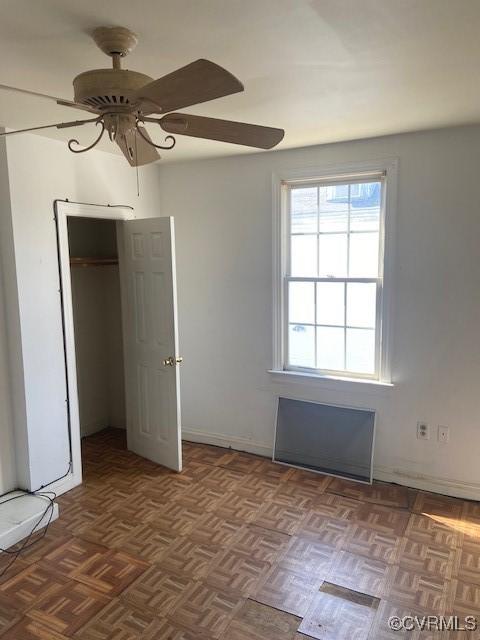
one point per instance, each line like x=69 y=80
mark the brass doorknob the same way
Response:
x=171 y=361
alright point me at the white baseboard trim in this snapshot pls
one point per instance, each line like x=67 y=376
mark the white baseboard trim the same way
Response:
x=229 y=442
x=445 y=486
x=18 y=517
x=435 y=484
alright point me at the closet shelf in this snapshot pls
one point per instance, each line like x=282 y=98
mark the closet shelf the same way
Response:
x=92 y=262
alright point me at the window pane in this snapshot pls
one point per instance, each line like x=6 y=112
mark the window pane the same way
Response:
x=301 y=302
x=333 y=255
x=365 y=206
x=303 y=210
x=304 y=256
x=363 y=255
x=361 y=350
x=330 y=348
x=333 y=208
x=331 y=303
x=301 y=346
x=361 y=304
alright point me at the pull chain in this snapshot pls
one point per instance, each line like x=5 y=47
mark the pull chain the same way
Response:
x=136 y=161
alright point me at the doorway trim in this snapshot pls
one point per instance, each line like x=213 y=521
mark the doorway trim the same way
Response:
x=63 y=210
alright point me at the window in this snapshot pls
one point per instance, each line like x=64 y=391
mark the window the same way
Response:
x=333 y=275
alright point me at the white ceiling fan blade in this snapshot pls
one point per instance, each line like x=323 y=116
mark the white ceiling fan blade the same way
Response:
x=250 y=135
x=58 y=125
x=197 y=82
x=136 y=149
x=45 y=96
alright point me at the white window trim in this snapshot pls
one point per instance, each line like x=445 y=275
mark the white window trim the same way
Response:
x=280 y=252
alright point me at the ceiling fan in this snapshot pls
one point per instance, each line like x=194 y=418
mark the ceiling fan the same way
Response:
x=122 y=101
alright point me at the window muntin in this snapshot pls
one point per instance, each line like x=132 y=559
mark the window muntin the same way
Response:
x=334 y=276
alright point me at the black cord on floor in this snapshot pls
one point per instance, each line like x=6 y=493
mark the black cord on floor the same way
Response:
x=26 y=544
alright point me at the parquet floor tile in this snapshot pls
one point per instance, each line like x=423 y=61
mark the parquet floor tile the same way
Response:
x=331 y=531
x=205 y=498
x=256 y=621
x=418 y=589
x=236 y=547
x=431 y=531
x=388 y=495
x=177 y=519
x=339 y=613
x=257 y=485
x=383 y=519
x=148 y=542
x=467 y=567
x=67 y=610
x=111 y=573
x=306 y=556
x=224 y=480
x=335 y=506
x=275 y=471
x=244 y=463
x=168 y=630
x=372 y=543
x=73 y=555
x=190 y=558
x=426 y=557
x=359 y=573
x=28 y=629
x=107 y=529
x=8 y=617
x=433 y=504
x=31 y=586
x=280 y=517
x=239 y=507
x=214 y=530
x=207 y=609
x=260 y=543
x=119 y=621
x=288 y=591
x=238 y=572
x=208 y=454
x=295 y=494
x=157 y=590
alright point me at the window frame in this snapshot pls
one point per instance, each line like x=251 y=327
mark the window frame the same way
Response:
x=339 y=173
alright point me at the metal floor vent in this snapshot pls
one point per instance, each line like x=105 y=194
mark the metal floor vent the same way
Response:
x=325 y=438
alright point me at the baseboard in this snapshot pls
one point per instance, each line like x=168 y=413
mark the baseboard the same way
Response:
x=424 y=482
x=229 y=442
x=18 y=517
x=445 y=486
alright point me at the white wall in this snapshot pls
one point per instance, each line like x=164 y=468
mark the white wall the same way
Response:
x=40 y=171
x=8 y=477
x=98 y=347
x=223 y=218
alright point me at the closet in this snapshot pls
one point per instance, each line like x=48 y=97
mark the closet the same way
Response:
x=97 y=320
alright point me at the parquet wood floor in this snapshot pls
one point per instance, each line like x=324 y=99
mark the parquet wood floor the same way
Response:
x=238 y=548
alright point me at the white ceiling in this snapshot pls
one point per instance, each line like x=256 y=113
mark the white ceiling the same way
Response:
x=324 y=70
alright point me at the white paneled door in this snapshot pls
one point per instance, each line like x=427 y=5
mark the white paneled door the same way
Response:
x=151 y=342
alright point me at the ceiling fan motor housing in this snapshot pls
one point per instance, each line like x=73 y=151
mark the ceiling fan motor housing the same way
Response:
x=108 y=89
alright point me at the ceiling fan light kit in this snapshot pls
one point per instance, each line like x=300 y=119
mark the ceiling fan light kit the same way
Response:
x=123 y=101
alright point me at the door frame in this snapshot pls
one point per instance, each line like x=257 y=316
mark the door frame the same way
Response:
x=64 y=210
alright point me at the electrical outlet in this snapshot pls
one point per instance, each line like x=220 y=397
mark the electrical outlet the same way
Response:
x=423 y=432
x=443 y=434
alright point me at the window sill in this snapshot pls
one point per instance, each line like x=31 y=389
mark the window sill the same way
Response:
x=330 y=382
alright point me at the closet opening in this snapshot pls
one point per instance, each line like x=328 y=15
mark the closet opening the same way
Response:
x=98 y=331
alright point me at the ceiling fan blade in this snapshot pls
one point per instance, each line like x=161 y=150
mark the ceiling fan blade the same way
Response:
x=250 y=135
x=58 y=125
x=35 y=94
x=197 y=82
x=75 y=105
x=136 y=150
